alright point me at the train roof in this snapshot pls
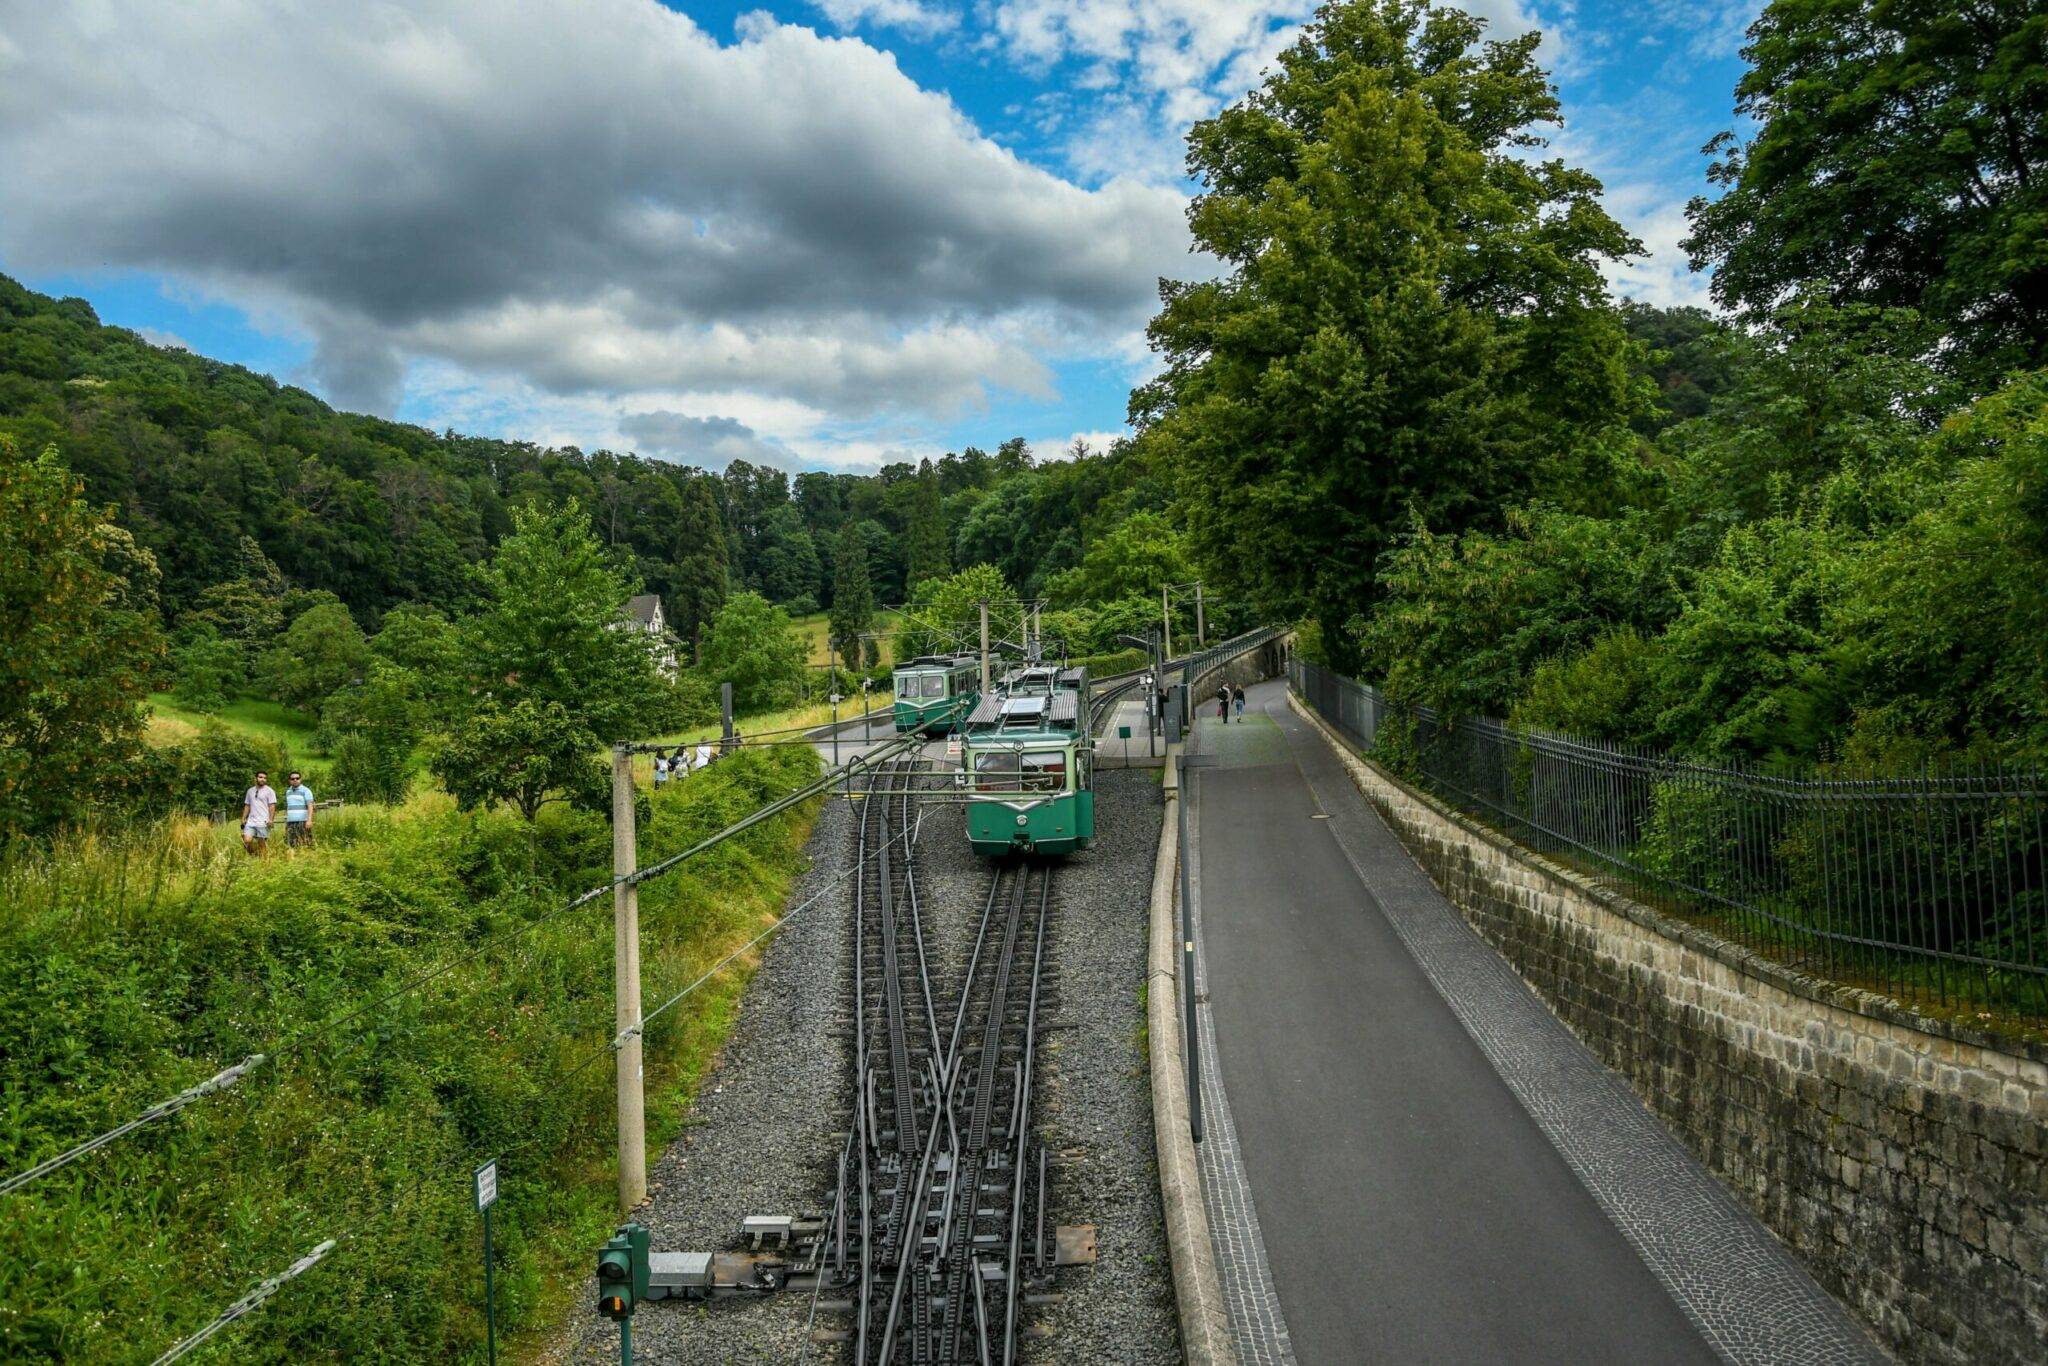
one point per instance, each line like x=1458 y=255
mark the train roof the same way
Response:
x=936 y=662
x=1055 y=711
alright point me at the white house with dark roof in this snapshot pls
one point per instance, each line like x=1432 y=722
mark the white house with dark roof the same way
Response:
x=643 y=613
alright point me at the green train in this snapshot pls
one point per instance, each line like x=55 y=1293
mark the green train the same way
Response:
x=935 y=692
x=1029 y=765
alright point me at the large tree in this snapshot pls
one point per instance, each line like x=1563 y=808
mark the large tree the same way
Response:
x=700 y=571
x=926 y=553
x=78 y=615
x=853 y=596
x=752 y=646
x=1901 y=153
x=555 y=629
x=1414 y=321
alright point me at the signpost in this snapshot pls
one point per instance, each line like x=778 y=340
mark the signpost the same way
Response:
x=486 y=1179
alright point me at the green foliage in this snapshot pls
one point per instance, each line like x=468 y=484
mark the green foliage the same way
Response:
x=1607 y=691
x=205 y=774
x=925 y=552
x=129 y=971
x=77 y=613
x=1143 y=554
x=551 y=630
x=944 y=615
x=1898 y=155
x=1414 y=324
x=753 y=647
x=428 y=646
x=321 y=651
x=698 y=584
x=853 y=595
x=1467 y=618
x=381 y=720
x=207 y=669
x=528 y=754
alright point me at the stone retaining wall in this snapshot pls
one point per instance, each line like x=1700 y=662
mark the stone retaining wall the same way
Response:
x=1904 y=1159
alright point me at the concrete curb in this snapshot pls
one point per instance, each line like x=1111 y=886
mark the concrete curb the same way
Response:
x=1204 y=1323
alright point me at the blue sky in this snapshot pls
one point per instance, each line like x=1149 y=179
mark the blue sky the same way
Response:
x=823 y=234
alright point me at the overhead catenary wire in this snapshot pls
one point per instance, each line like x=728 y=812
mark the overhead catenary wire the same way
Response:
x=248 y=1302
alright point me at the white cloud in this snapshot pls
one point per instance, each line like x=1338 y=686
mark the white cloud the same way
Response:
x=590 y=198
x=909 y=15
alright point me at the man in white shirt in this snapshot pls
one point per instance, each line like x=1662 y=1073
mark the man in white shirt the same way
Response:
x=259 y=803
x=703 y=753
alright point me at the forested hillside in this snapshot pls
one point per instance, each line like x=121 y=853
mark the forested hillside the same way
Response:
x=217 y=470
x=1412 y=415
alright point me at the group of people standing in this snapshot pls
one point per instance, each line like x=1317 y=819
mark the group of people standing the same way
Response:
x=680 y=765
x=259 y=805
x=1227 y=699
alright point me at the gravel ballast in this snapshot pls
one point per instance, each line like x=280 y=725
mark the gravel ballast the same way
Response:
x=765 y=1131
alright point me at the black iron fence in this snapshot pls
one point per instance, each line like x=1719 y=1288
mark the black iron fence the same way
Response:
x=1931 y=887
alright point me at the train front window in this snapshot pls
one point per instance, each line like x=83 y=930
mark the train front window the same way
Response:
x=1044 y=770
x=934 y=685
x=995 y=770
x=906 y=686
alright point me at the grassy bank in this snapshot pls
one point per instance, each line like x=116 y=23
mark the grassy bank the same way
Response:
x=271 y=722
x=129 y=971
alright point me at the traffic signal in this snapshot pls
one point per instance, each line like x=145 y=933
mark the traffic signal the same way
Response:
x=622 y=1265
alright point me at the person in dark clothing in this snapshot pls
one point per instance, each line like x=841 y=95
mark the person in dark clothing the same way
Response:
x=1223 y=704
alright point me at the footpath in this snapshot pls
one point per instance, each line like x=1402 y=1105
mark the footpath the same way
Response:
x=1408 y=1158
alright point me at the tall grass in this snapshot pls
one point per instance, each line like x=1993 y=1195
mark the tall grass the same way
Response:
x=132 y=966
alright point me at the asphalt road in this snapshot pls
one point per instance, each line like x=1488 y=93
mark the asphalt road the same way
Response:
x=1411 y=1209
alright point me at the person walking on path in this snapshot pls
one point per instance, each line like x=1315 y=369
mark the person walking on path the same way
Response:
x=259 y=803
x=298 y=815
x=1237 y=701
x=703 y=754
x=660 y=770
x=679 y=767
x=1223 y=704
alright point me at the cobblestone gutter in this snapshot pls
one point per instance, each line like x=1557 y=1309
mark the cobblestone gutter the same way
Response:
x=1904 y=1161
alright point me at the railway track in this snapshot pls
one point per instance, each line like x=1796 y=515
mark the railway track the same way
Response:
x=942 y=1190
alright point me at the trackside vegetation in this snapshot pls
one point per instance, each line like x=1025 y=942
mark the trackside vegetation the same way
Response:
x=133 y=967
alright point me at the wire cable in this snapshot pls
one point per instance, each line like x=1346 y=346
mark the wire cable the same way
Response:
x=219 y=1081
x=248 y=1302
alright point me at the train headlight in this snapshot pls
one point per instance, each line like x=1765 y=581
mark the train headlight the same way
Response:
x=1023 y=819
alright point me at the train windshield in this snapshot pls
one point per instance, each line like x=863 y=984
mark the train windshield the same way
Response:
x=906 y=685
x=934 y=685
x=995 y=770
x=1044 y=770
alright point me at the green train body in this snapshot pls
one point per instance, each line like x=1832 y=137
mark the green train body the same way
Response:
x=1029 y=767
x=1041 y=795
x=935 y=693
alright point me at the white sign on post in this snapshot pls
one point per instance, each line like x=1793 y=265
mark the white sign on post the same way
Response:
x=487 y=1184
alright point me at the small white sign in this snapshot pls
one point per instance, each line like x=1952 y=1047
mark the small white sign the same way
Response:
x=487 y=1184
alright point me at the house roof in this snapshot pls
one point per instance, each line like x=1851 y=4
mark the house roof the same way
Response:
x=644 y=608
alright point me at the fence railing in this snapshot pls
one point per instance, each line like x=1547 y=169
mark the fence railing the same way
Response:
x=1930 y=887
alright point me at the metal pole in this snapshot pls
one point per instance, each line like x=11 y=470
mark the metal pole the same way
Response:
x=1187 y=957
x=835 y=723
x=626 y=1342
x=490 y=1296
x=626 y=983
x=1166 y=619
x=984 y=644
x=725 y=715
x=1201 y=626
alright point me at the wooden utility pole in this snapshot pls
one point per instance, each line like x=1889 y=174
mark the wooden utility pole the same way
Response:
x=984 y=645
x=626 y=986
x=1201 y=626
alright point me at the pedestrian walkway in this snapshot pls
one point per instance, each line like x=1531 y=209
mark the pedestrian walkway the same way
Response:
x=1409 y=1158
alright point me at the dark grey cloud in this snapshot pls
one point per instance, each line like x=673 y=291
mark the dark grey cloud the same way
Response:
x=593 y=195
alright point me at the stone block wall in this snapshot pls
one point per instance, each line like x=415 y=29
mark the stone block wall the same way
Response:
x=1904 y=1159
